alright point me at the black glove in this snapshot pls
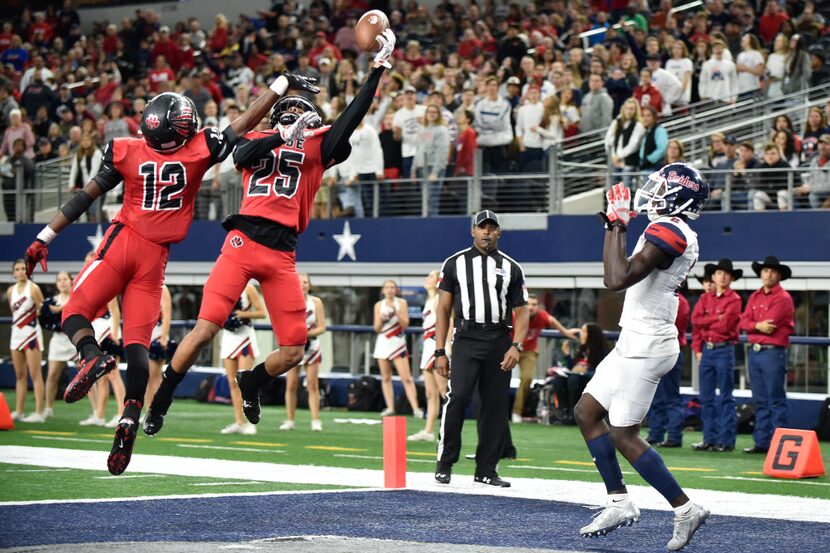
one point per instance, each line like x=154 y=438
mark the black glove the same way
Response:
x=298 y=82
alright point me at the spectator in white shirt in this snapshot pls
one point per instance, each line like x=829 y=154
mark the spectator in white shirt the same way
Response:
x=718 y=77
x=531 y=147
x=365 y=164
x=622 y=141
x=749 y=67
x=681 y=67
x=407 y=126
x=431 y=156
x=670 y=87
x=552 y=127
x=495 y=131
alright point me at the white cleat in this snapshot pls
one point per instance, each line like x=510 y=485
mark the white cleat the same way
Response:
x=422 y=436
x=48 y=412
x=316 y=425
x=685 y=526
x=387 y=413
x=287 y=425
x=616 y=514
x=34 y=417
x=418 y=413
x=113 y=422
x=234 y=428
x=17 y=415
x=248 y=429
x=92 y=420
x=516 y=418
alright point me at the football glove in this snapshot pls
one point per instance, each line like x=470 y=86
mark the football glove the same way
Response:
x=387 y=46
x=36 y=252
x=297 y=129
x=619 y=206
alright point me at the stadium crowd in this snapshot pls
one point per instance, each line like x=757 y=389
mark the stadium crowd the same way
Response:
x=511 y=79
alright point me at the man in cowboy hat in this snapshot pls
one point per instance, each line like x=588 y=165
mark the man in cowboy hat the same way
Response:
x=768 y=322
x=717 y=314
x=697 y=341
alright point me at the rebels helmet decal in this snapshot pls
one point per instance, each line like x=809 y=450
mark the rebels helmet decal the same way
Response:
x=676 y=189
x=152 y=121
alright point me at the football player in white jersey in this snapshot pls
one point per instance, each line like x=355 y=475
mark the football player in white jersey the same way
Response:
x=625 y=381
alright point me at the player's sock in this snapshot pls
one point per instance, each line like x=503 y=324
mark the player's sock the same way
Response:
x=138 y=371
x=170 y=379
x=653 y=470
x=259 y=375
x=605 y=458
x=87 y=347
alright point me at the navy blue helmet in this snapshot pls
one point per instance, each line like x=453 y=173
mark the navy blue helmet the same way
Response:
x=676 y=189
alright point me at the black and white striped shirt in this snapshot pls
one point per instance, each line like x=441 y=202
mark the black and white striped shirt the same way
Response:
x=485 y=288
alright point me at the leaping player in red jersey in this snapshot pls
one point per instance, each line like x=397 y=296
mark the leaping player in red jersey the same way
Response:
x=282 y=172
x=162 y=173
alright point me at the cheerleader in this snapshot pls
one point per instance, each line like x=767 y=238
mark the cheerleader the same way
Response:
x=61 y=350
x=25 y=299
x=315 y=318
x=391 y=317
x=239 y=350
x=161 y=347
x=436 y=385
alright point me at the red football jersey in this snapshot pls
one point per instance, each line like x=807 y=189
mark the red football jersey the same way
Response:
x=282 y=187
x=160 y=189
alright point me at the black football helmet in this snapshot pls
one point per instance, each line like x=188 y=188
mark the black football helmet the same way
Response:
x=287 y=110
x=169 y=120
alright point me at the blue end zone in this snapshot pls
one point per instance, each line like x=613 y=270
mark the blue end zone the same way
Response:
x=401 y=515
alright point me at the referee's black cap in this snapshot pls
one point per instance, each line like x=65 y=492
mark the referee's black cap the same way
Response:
x=484 y=216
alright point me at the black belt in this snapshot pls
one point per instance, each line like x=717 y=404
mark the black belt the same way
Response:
x=716 y=345
x=487 y=327
x=761 y=347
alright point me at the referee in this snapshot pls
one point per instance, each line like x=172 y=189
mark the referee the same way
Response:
x=481 y=285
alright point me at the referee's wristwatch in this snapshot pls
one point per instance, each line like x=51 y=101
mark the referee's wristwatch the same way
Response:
x=440 y=353
x=518 y=346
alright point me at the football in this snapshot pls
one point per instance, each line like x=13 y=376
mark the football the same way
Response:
x=370 y=25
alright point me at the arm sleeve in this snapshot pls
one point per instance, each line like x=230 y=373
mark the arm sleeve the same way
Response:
x=250 y=152
x=517 y=293
x=667 y=237
x=446 y=279
x=220 y=144
x=338 y=136
x=108 y=176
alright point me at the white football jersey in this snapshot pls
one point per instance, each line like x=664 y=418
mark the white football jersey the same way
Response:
x=650 y=307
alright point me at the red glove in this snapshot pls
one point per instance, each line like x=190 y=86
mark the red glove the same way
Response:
x=619 y=204
x=38 y=251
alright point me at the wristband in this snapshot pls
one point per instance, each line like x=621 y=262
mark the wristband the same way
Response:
x=518 y=346
x=280 y=85
x=440 y=353
x=46 y=235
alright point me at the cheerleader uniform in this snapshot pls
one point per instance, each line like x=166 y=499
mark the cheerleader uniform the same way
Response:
x=238 y=336
x=60 y=347
x=26 y=331
x=103 y=335
x=390 y=343
x=428 y=324
x=313 y=350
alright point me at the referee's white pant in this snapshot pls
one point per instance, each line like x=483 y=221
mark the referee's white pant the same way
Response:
x=476 y=360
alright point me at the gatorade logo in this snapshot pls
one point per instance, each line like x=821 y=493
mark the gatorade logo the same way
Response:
x=787 y=452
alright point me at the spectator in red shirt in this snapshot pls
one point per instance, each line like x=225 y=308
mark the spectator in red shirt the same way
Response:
x=465 y=144
x=6 y=36
x=470 y=45
x=539 y=320
x=110 y=43
x=219 y=35
x=770 y=23
x=40 y=24
x=667 y=413
x=716 y=315
x=647 y=94
x=768 y=322
x=697 y=341
x=167 y=48
x=319 y=46
x=161 y=76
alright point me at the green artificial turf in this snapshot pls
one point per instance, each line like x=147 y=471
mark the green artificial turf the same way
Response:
x=192 y=430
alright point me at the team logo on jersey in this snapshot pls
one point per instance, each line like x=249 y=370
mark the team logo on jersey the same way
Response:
x=500 y=272
x=237 y=241
x=152 y=121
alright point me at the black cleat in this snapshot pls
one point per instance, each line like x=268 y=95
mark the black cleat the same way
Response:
x=494 y=480
x=756 y=449
x=703 y=446
x=153 y=422
x=89 y=371
x=443 y=473
x=125 y=434
x=670 y=443
x=250 y=396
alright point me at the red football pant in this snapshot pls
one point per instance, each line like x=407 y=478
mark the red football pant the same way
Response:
x=125 y=264
x=276 y=271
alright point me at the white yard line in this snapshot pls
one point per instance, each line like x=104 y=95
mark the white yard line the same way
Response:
x=723 y=503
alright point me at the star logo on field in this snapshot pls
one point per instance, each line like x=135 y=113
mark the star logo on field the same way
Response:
x=96 y=239
x=346 y=241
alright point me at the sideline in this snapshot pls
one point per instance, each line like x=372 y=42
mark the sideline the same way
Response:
x=722 y=503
